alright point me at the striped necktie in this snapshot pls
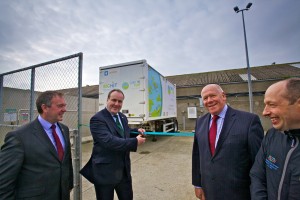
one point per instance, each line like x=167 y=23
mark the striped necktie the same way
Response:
x=119 y=125
x=59 y=147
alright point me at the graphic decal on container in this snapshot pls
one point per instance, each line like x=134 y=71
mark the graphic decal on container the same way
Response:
x=155 y=93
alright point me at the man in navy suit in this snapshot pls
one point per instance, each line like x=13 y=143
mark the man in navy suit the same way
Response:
x=220 y=167
x=31 y=165
x=109 y=166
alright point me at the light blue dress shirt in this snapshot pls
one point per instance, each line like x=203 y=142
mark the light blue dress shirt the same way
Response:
x=220 y=122
x=47 y=127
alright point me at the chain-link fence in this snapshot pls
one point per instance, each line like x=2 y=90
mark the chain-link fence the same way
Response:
x=20 y=88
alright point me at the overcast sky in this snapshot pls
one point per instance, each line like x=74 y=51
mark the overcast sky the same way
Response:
x=174 y=36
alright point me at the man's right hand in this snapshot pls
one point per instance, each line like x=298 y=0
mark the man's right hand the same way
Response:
x=199 y=193
x=140 y=139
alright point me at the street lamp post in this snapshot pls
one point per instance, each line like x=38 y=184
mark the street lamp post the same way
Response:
x=237 y=10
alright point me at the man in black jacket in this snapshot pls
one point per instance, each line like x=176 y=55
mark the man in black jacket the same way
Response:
x=276 y=172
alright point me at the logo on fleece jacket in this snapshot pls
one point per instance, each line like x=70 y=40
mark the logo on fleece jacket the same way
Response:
x=271 y=162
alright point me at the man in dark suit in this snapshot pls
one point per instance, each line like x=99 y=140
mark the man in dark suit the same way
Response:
x=109 y=166
x=35 y=160
x=223 y=156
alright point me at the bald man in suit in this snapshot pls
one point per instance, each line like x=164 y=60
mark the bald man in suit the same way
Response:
x=220 y=166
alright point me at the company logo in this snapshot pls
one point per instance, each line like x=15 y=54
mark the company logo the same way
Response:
x=135 y=83
x=125 y=85
x=271 y=162
x=271 y=159
x=109 y=85
x=109 y=72
x=170 y=90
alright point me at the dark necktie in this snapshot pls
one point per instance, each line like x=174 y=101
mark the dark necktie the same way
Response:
x=213 y=134
x=119 y=125
x=59 y=146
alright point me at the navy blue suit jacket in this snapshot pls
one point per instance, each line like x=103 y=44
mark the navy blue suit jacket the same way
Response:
x=30 y=167
x=226 y=173
x=110 y=159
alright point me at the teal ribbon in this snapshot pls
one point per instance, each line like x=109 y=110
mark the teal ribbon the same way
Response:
x=186 y=134
x=179 y=134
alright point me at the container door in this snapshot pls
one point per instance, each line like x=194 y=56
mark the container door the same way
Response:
x=130 y=79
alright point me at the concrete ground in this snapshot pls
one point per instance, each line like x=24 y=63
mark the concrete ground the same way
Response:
x=161 y=170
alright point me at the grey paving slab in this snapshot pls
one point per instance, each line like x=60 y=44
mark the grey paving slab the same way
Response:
x=161 y=170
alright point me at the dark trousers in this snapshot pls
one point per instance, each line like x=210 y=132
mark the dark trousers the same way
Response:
x=123 y=190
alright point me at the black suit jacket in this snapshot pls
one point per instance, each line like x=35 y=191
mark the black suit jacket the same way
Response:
x=30 y=167
x=226 y=174
x=110 y=159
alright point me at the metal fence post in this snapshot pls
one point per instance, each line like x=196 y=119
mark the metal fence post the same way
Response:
x=78 y=188
x=77 y=193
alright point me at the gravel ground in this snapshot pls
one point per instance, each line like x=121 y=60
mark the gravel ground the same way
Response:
x=161 y=170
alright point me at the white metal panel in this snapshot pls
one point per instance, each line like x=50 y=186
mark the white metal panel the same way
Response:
x=192 y=112
x=169 y=97
x=148 y=95
x=130 y=79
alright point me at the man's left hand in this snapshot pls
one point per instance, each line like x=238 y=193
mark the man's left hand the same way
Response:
x=141 y=131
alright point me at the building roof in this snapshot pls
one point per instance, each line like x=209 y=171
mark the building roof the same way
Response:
x=261 y=73
x=89 y=91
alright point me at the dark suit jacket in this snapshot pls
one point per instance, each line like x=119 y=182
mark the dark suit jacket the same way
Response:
x=30 y=168
x=110 y=159
x=226 y=174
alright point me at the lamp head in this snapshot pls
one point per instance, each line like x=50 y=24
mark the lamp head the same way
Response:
x=249 y=5
x=236 y=9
